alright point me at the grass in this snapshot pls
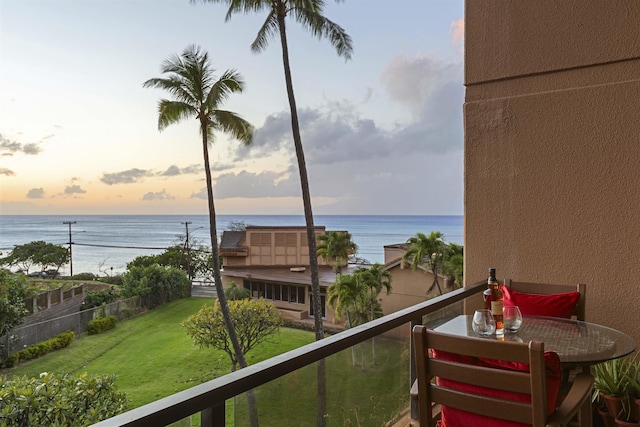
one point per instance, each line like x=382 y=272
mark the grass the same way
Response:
x=152 y=357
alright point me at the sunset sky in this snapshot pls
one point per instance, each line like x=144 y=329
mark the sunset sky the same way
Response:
x=382 y=132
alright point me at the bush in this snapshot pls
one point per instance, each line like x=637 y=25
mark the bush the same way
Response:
x=84 y=276
x=155 y=284
x=97 y=298
x=101 y=324
x=34 y=351
x=59 y=400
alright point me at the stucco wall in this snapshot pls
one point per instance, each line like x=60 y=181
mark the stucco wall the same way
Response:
x=552 y=148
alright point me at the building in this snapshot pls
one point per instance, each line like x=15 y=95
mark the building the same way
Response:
x=273 y=263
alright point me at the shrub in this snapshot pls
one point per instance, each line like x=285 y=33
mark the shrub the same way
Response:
x=60 y=400
x=101 y=324
x=97 y=298
x=40 y=349
x=155 y=284
x=84 y=276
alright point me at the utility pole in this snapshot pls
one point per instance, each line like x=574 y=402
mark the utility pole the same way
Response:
x=186 y=244
x=70 y=243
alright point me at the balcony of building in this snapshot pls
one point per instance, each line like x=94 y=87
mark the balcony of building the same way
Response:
x=551 y=195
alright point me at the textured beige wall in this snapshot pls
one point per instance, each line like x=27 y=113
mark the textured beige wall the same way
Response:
x=552 y=148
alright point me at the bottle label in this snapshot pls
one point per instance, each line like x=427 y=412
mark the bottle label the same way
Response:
x=496 y=308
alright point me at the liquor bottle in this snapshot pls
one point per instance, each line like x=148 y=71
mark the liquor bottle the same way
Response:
x=493 y=298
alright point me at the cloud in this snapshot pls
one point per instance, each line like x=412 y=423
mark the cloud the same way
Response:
x=7 y=172
x=162 y=195
x=412 y=167
x=256 y=185
x=9 y=147
x=202 y=194
x=457 y=31
x=125 y=177
x=174 y=170
x=36 y=193
x=73 y=189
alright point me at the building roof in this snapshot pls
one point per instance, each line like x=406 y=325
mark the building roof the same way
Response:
x=232 y=240
x=326 y=275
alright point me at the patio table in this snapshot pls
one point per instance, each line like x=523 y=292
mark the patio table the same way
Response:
x=577 y=343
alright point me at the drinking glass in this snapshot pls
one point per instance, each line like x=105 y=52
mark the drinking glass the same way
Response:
x=483 y=323
x=512 y=318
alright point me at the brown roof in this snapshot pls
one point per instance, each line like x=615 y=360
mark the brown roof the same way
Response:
x=232 y=240
x=326 y=275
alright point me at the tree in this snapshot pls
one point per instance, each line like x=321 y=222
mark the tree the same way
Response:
x=198 y=94
x=377 y=279
x=453 y=264
x=37 y=253
x=336 y=246
x=233 y=292
x=348 y=295
x=155 y=284
x=22 y=256
x=12 y=308
x=198 y=260
x=254 y=321
x=308 y=13
x=423 y=250
x=51 y=255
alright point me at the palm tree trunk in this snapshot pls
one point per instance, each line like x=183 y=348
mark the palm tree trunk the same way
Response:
x=308 y=216
x=215 y=255
x=353 y=348
x=373 y=339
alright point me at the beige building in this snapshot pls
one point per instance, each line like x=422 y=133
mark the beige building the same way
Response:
x=552 y=148
x=273 y=263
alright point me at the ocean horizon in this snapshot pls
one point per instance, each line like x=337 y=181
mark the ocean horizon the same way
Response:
x=104 y=241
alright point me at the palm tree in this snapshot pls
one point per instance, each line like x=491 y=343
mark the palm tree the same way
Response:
x=347 y=295
x=423 y=250
x=308 y=13
x=376 y=278
x=233 y=292
x=453 y=264
x=336 y=246
x=196 y=93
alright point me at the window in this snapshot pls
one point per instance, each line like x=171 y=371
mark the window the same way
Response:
x=278 y=292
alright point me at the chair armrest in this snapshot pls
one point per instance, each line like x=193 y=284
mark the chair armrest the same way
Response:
x=579 y=394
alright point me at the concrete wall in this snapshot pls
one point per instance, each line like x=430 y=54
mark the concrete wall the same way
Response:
x=552 y=148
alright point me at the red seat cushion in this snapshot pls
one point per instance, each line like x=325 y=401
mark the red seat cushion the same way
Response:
x=451 y=417
x=554 y=305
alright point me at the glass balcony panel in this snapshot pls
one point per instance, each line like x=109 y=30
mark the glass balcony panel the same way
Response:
x=367 y=384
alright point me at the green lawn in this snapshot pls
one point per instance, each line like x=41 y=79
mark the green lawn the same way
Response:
x=153 y=357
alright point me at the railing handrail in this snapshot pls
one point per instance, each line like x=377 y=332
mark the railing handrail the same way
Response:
x=215 y=392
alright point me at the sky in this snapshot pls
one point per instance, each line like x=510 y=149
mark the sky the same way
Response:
x=382 y=132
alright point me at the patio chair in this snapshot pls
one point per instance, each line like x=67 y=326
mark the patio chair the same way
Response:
x=533 y=291
x=476 y=384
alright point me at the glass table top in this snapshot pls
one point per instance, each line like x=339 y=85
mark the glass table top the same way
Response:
x=576 y=342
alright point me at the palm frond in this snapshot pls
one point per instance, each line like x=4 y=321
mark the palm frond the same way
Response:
x=232 y=124
x=170 y=112
x=268 y=29
x=231 y=81
x=310 y=17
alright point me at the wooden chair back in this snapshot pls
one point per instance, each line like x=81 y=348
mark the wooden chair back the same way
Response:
x=548 y=289
x=532 y=382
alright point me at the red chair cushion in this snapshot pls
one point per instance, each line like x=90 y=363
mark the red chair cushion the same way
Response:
x=554 y=305
x=451 y=417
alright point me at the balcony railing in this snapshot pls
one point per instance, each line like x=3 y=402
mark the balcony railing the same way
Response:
x=209 y=399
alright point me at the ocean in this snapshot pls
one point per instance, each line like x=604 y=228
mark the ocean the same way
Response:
x=101 y=242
